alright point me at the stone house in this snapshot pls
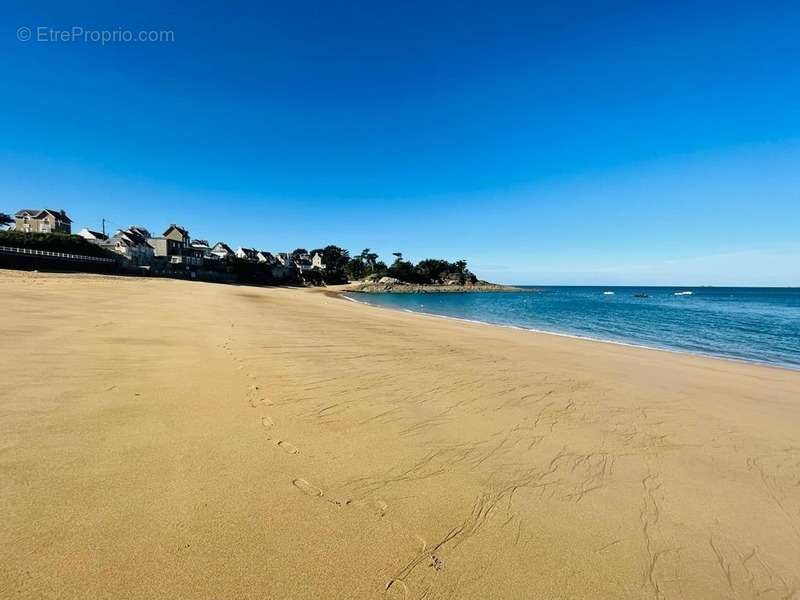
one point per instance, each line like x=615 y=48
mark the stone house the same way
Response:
x=175 y=246
x=42 y=220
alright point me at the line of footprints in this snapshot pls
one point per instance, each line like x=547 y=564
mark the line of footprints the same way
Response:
x=257 y=399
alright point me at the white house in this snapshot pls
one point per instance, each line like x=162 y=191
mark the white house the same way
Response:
x=132 y=243
x=222 y=250
x=92 y=236
x=247 y=254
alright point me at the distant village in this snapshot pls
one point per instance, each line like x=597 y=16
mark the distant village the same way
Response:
x=43 y=238
x=171 y=252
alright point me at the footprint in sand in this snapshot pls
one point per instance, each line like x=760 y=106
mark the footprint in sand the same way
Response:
x=396 y=588
x=255 y=398
x=381 y=506
x=287 y=447
x=307 y=488
x=257 y=402
x=310 y=489
x=267 y=423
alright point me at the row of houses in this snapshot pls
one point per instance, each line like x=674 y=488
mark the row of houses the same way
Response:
x=175 y=246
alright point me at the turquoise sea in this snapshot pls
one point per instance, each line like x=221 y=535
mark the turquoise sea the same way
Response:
x=752 y=324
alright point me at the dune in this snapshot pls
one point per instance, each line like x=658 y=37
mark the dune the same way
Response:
x=173 y=439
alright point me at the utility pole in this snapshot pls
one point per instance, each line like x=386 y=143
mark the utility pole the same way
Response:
x=104 y=226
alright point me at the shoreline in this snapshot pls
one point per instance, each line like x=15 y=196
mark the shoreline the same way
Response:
x=744 y=361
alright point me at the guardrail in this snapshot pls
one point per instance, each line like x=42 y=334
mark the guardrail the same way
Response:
x=32 y=252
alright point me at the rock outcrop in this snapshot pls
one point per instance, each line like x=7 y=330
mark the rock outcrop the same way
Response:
x=394 y=286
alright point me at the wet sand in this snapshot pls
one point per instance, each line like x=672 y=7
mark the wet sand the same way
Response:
x=169 y=439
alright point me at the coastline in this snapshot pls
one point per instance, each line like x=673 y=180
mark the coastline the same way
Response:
x=745 y=361
x=417 y=288
x=233 y=441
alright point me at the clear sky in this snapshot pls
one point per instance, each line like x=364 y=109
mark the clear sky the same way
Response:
x=546 y=143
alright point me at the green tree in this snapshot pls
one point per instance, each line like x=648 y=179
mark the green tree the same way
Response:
x=335 y=256
x=336 y=260
x=54 y=242
x=404 y=271
x=356 y=269
x=380 y=268
x=369 y=259
x=432 y=270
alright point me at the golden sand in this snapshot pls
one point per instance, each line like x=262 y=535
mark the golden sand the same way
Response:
x=168 y=439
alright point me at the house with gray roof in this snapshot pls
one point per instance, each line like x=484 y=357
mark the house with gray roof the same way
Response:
x=247 y=254
x=175 y=246
x=222 y=251
x=92 y=236
x=42 y=220
x=131 y=244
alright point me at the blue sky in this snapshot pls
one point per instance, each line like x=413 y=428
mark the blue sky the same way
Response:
x=570 y=142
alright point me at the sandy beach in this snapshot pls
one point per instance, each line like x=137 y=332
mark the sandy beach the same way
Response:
x=170 y=439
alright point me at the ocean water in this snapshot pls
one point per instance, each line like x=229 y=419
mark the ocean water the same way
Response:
x=752 y=324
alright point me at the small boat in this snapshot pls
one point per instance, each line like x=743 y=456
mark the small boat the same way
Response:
x=641 y=295
x=608 y=293
x=682 y=294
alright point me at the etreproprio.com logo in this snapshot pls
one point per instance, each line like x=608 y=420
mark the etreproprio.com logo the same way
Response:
x=93 y=36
